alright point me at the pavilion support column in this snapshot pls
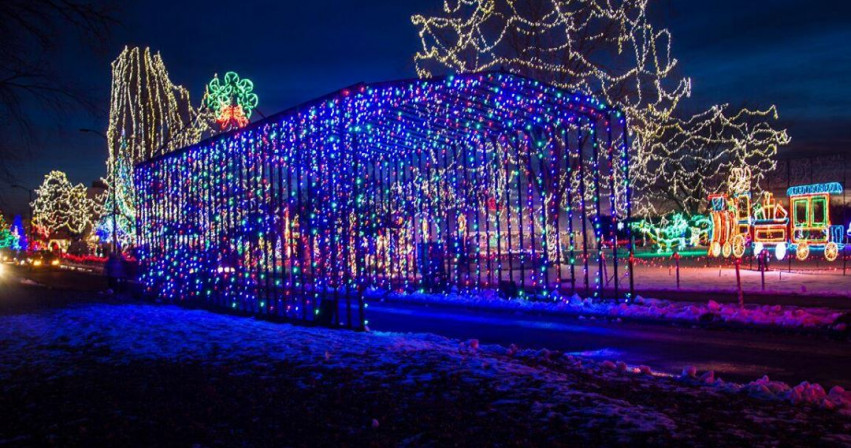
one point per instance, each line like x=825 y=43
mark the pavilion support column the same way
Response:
x=613 y=225
x=571 y=238
x=584 y=215
x=628 y=194
x=600 y=278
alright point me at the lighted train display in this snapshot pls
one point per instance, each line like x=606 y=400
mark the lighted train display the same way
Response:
x=767 y=225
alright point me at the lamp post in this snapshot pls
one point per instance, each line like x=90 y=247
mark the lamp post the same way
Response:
x=115 y=246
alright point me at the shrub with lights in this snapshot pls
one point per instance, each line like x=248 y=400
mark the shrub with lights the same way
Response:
x=19 y=235
x=6 y=237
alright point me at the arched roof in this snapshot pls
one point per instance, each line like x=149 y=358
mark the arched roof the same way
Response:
x=409 y=114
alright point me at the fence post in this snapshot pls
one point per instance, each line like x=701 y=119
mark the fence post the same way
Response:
x=631 y=269
x=361 y=290
x=677 y=262
x=789 y=256
x=738 y=262
x=761 y=262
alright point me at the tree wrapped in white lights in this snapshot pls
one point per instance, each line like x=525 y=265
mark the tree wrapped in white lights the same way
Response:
x=118 y=213
x=610 y=50
x=696 y=157
x=148 y=116
x=60 y=205
x=153 y=114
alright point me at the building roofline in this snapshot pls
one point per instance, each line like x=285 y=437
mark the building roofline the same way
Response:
x=295 y=110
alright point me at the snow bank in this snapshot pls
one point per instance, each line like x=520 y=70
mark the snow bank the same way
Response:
x=641 y=308
x=804 y=393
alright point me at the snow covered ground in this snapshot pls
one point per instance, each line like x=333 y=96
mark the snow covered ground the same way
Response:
x=642 y=308
x=144 y=374
x=827 y=281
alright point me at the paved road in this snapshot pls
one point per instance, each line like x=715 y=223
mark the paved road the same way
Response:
x=24 y=290
x=733 y=354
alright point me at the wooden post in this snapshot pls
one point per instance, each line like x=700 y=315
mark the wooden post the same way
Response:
x=738 y=262
x=789 y=256
x=791 y=225
x=677 y=262
x=631 y=269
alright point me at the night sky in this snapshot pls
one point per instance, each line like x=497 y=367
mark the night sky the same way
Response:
x=790 y=53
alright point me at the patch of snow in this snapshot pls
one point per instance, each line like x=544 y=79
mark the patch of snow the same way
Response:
x=588 y=393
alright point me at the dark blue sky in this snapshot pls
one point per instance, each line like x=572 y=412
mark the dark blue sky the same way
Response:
x=790 y=53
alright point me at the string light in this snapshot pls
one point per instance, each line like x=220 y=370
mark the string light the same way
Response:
x=7 y=239
x=770 y=225
x=232 y=100
x=452 y=182
x=811 y=225
x=735 y=225
x=824 y=188
x=148 y=116
x=21 y=242
x=676 y=233
x=232 y=117
x=118 y=209
x=688 y=159
x=571 y=44
x=731 y=216
x=60 y=205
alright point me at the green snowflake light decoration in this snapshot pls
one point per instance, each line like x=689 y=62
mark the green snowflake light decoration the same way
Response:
x=232 y=99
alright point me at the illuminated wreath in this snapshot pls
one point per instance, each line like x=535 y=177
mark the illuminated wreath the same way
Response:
x=232 y=99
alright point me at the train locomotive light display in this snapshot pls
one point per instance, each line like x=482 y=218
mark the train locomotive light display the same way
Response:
x=770 y=227
x=780 y=251
x=730 y=225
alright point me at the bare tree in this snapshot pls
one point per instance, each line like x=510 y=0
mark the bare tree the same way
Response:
x=702 y=151
x=608 y=49
x=32 y=31
x=61 y=205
